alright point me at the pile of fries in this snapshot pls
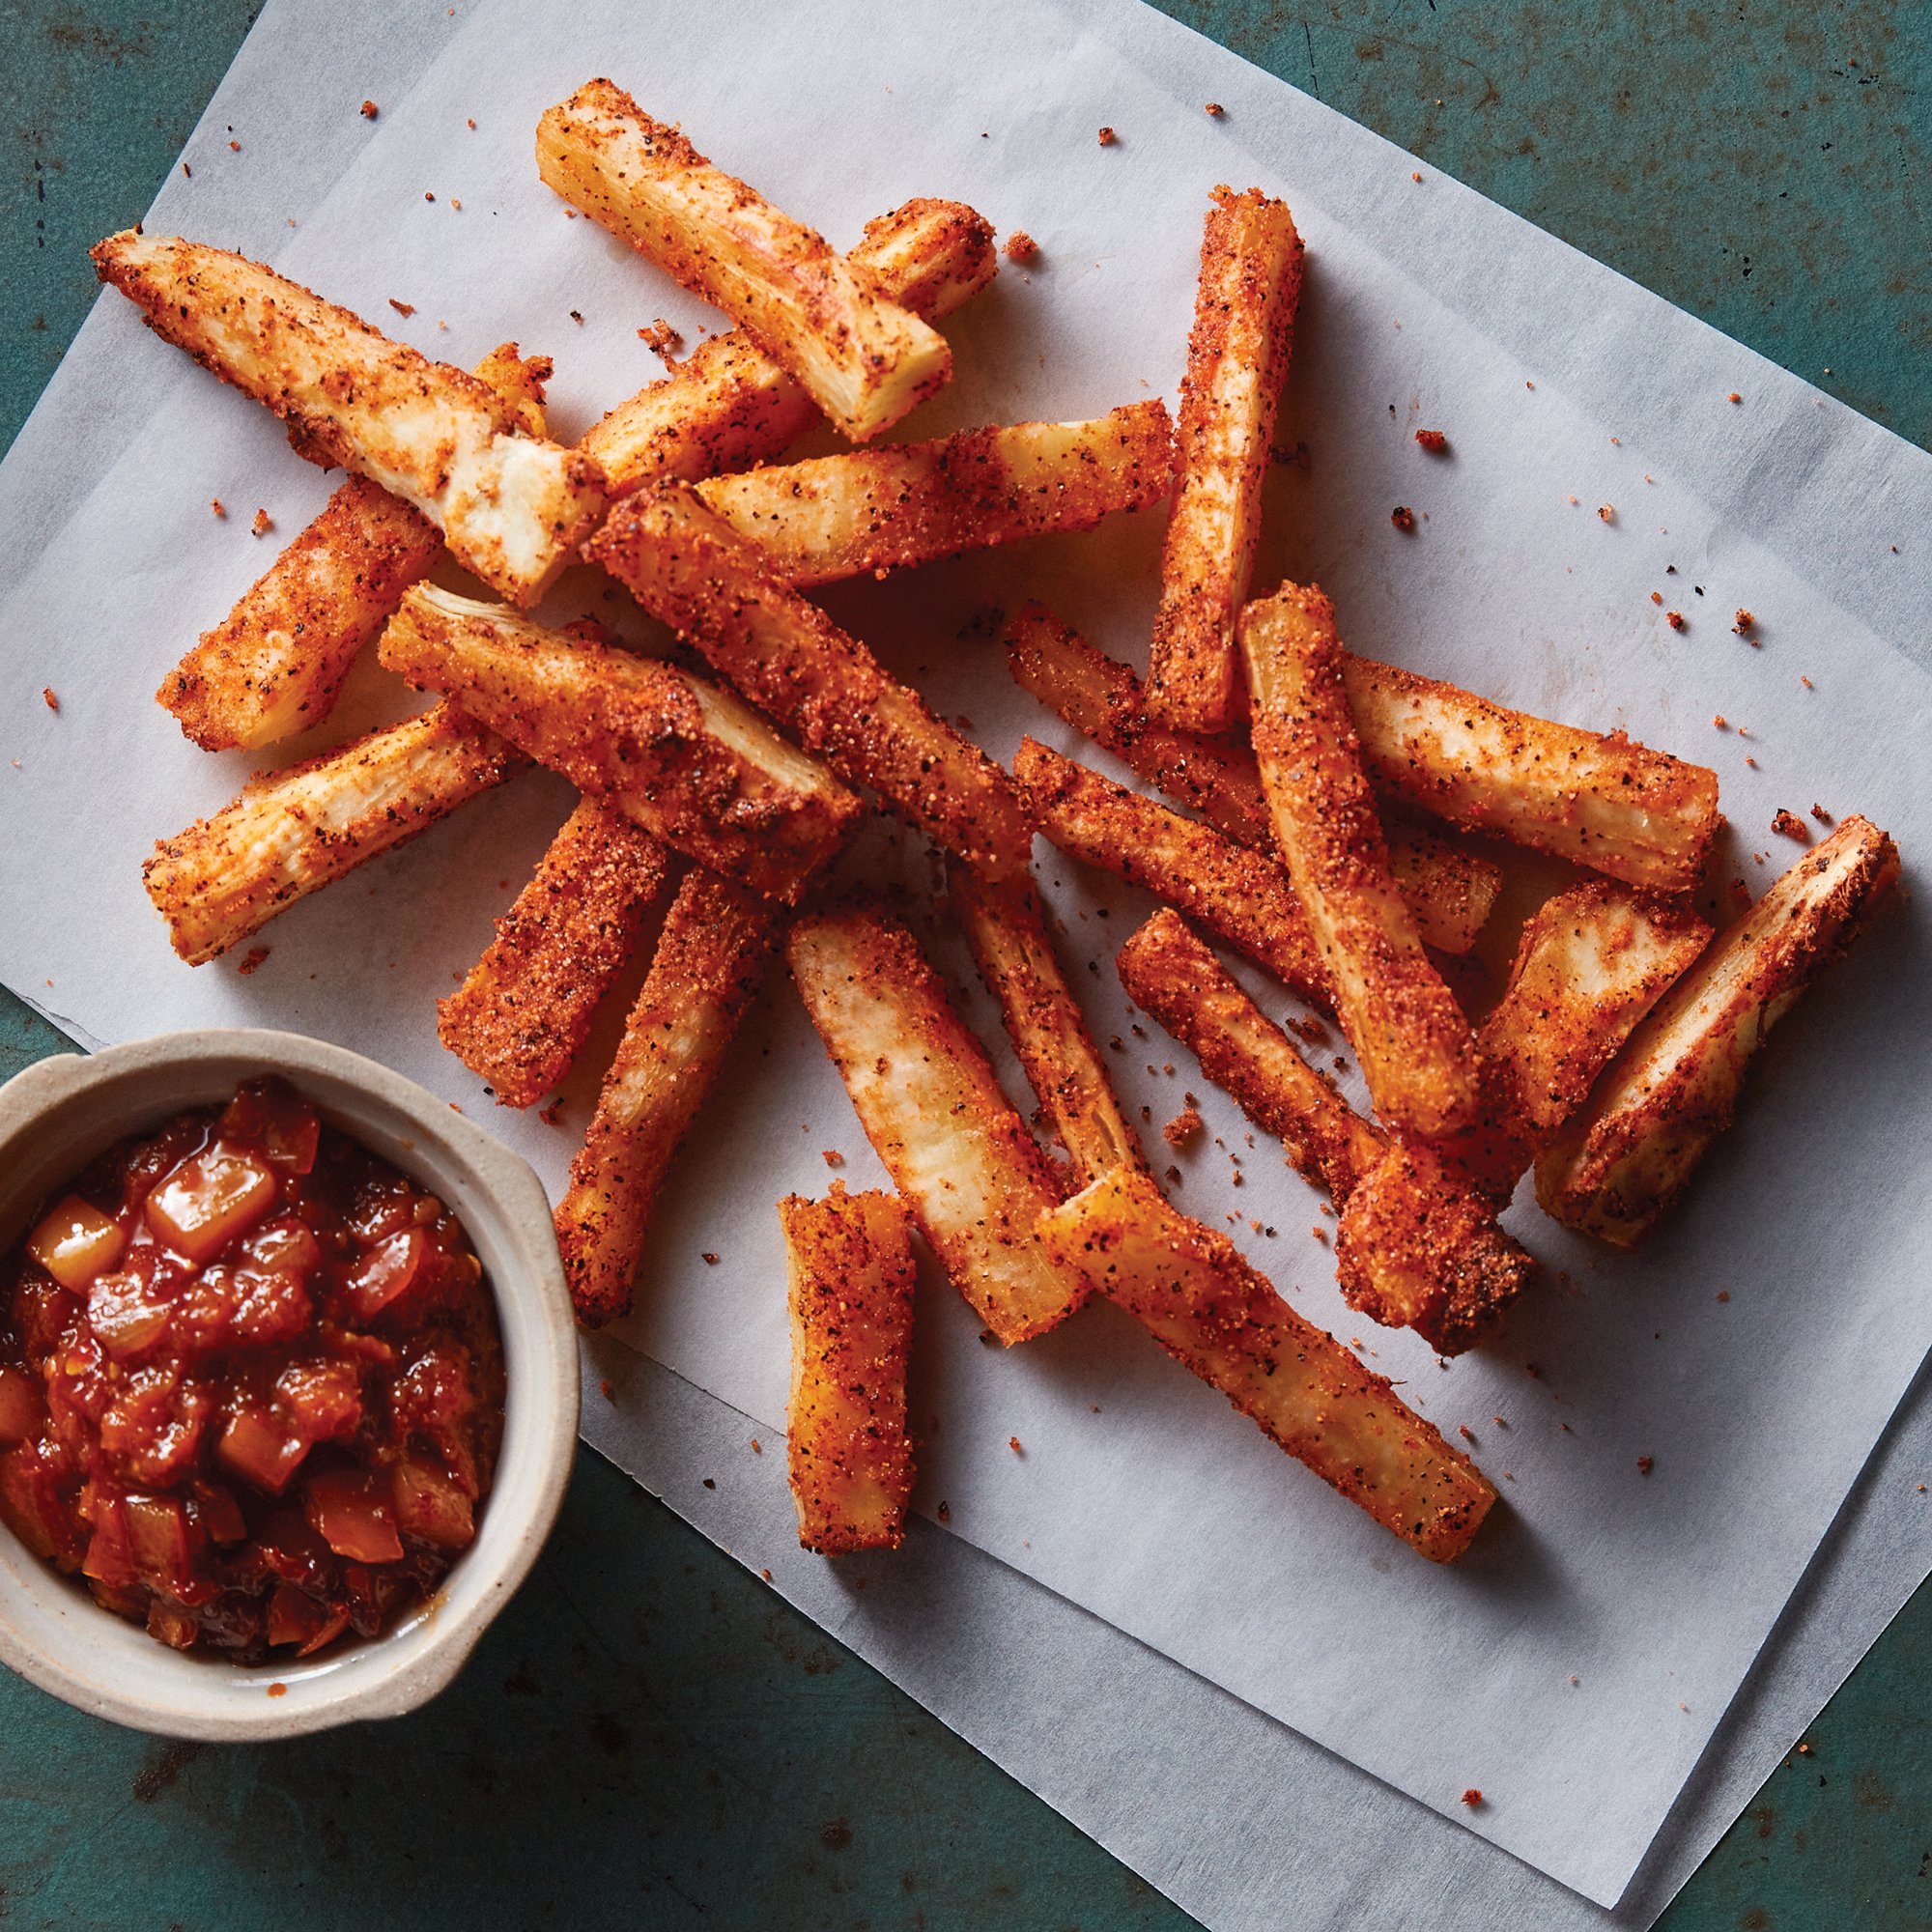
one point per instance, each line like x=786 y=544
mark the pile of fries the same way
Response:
x=1320 y=809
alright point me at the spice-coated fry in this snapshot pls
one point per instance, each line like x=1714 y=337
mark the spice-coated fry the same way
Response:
x=1450 y=892
x=1209 y=1308
x=1674 y=1087
x=850 y=1290
x=294 y=831
x=862 y=358
x=684 y=760
x=709 y=963
x=729 y=405
x=971 y=1174
x=511 y=506
x=1236 y=359
x=686 y=566
x=886 y=508
x=1417 y=1052
x=273 y=666
x=525 y=1008
x=1417 y=1246
x=1008 y=931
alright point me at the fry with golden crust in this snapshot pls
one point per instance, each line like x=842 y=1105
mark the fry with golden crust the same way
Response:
x=1007 y=929
x=686 y=762
x=273 y=666
x=972 y=1175
x=1211 y=1310
x=883 y=509
x=685 y=566
x=292 y=831
x=525 y=1008
x=1603 y=801
x=1417 y=1246
x=1450 y=892
x=709 y=963
x=729 y=405
x=850 y=1290
x=1243 y=897
x=511 y=506
x=1674 y=1087
x=1417 y=1052
x=862 y=358
x=1237 y=362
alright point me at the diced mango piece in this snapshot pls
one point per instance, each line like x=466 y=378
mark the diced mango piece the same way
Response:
x=76 y=1241
x=271 y=1115
x=351 y=1511
x=295 y=1617
x=261 y=1448
x=23 y=1407
x=209 y=1199
x=158 y=1540
x=431 y=1507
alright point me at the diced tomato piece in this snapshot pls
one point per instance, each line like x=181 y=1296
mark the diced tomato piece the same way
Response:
x=30 y=1506
x=153 y=1427
x=209 y=1199
x=126 y=1314
x=76 y=1241
x=431 y=1507
x=288 y=1548
x=261 y=1448
x=271 y=1115
x=157 y=1539
x=351 y=1511
x=42 y=1312
x=23 y=1409
x=382 y=1207
x=220 y=1513
x=272 y=1308
x=386 y=1272
x=285 y=1245
x=434 y=1399
x=110 y=1556
x=323 y=1401
x=173 y=1627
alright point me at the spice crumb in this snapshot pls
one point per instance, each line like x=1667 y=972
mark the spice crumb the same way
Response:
x=1674 y=618
x=758 y=1447
x=48 y=698
x=1645 y=1464
x=1657 y=597
x=1734 y=397
x=1415 y=174
x=576 y=316
x=1185 y=1128
x=1743 y=623
x=278 y=1690
x=215 y=505
x=1403 y=517
x=1823 y=816
x=1467 y=1433
x=369 y=110
x=605 y=1389
x=1215 y=108
x=944 y=1511
x=1013 y=1443
x=708 y=1259
x=1106 y=137
x=662 y=337
x=1724 y=1295
x=1608 y=512
x=427 y=196
x=1472 y=1797
x=765 y=1573
x=833 y=1157
x=1788 y=825
x=1021 y=246
x=469 y=122
x=234 y=147
x=402 y=307
x=251 y=960
x=1432 y=439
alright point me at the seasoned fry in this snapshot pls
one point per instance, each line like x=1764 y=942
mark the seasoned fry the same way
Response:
x=850 y=1292
x=525 y=1009
x=1208 y=1308
x=709 y=963
x=862 y=358
x=1417 y=1246
x=273 y=666
x=1673 y=1089
x=972 y=1175
x=729 y=405
x=684 y=760
x=1417 y=1052
x=1237 y=362
x=511 y=506
x=883 y=509
x=1008 y=931
x=1450 y=892
x=1244 y=899
x=684 y=565
x=1605 y=802
x=294 y=831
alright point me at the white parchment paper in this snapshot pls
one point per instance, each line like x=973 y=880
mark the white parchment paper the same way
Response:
x=1158 y=1510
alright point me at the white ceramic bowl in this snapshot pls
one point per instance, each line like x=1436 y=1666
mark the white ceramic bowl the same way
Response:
x=56 y=1116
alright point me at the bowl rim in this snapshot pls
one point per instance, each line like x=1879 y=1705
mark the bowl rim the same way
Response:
x=428 y=1648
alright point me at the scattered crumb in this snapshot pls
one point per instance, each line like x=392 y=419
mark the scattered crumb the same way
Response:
x=1805 y=682
x=263 y=523
x=215 y=505
x=1013 y=1443
x=944 y=1511
x=369 y=110
x=1657 y=597
x=1788 y=825
x=402 y=308
x=470 y=124
x=833 y=1157
x=551 y=1114
x=1674 y=618
x=1472 y=1797
x=188 y=171
x=1415 y=175
x=1183 y=1129
x=1319 y=1233
x=1432 y=441
x=576 y=316
x=456 y=204
x=234 y=147
x=765 y=1573
x=1106 y=137
x=605 y=1389
x=1575 y=1680
x=1823 y=816
x=662 y=337
x=1804 y=1749
x=278 y=1690
x=1467 y=1433
x=1403 y=517
x=1297 y=457
x=1724 y=1295
x=1215 y=108
x=251 y=960
x=1021 y=246
x=1608 y=512
x=1743 y=623
x=1734 y=397
x=427 y=196
x=48 y=698
x=758 y=1447
x=709 y=1484
x=709 y=1259
x=1645 y=1464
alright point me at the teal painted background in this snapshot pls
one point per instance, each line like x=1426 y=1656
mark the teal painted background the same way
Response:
x=648 y=1738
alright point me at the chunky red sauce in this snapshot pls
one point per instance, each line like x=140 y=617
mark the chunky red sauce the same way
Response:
x=251 y=1385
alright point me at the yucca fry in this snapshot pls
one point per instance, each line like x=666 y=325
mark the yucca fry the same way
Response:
x=511 y=506
x=1620 y=1163
x=1450 y=892
x=274 y=665
x=884 y=509
x=1417 y=1246
x=1416 y=1049
x=850 y=1290
x=292 y=831
x=1210 y=1309
x=1237 y=361
x=727 y=405
x=709 y=963
x=1599 y=799
x=686 y=566
x=523 y=1010
x=962 y=1160
x=686 y=762
x=862 y=358
x=1007 y=929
